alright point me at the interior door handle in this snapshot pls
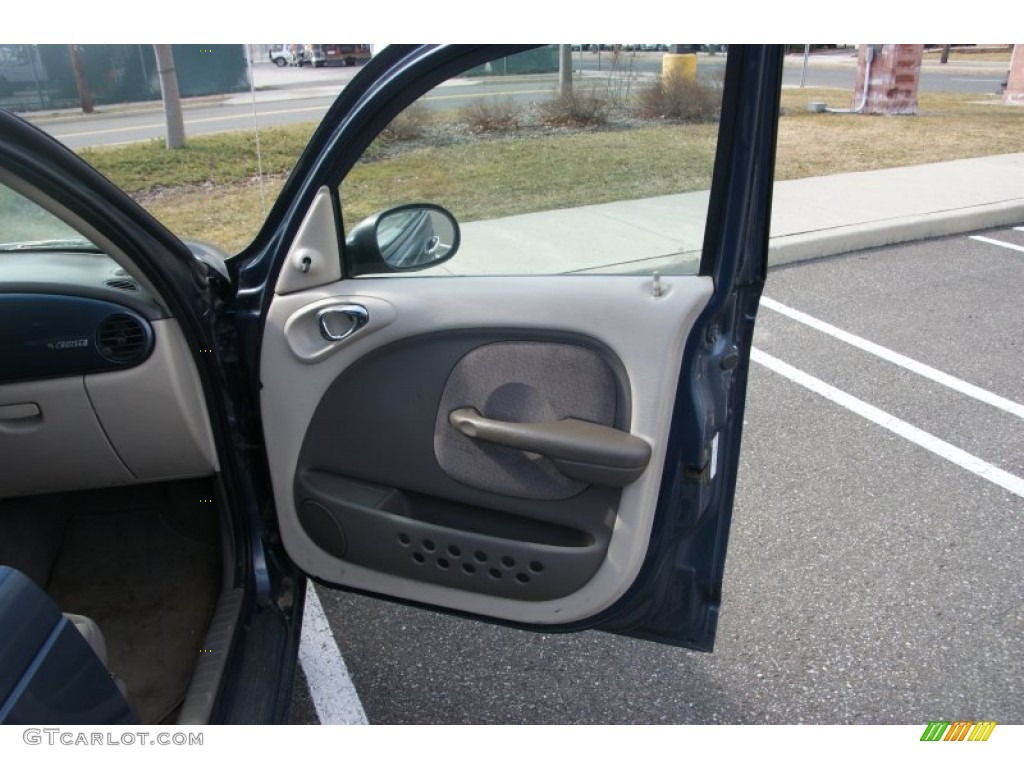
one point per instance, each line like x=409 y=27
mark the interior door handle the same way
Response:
x=592 y=453
x=341 y=321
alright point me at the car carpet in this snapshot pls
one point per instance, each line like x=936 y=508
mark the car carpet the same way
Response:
x=146 y=569
x=31 y=531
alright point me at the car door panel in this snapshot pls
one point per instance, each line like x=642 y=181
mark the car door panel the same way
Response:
x=375 y=490
x=597 y=491
x=642 y=556
x=448 y=509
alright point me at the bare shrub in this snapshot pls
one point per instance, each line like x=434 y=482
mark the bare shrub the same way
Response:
x=622 y=75
x=678 y=97
x=411 y=123
x=576 y=108
x=493 y=116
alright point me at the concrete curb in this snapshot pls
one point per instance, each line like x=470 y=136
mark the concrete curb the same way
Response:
x=805 y=246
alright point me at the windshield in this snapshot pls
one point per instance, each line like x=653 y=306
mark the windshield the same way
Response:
x=24 y=225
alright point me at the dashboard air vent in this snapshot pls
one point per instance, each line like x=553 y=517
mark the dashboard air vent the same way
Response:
x=122 y=285
x=122 y=339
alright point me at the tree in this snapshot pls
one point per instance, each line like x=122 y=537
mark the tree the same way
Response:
x=172 y=100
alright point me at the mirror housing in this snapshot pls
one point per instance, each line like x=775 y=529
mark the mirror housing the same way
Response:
x=407 y=238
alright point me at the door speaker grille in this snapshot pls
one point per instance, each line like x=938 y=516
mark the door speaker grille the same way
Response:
x=491 y=565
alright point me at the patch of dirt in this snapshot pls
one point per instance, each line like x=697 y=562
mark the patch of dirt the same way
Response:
x=531 y=125
x=170 y=194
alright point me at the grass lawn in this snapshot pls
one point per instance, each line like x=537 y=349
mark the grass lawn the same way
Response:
x=969 y=55
x=209 y=189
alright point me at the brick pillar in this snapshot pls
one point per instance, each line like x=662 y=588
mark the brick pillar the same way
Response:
x=1014 y=92
x=892 y=84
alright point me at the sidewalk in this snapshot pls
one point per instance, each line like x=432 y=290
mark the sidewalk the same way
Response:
x=811 y=218
x=847 y=212
x=847 y=58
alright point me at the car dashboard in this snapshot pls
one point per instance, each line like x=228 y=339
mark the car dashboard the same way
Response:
x=97 y=384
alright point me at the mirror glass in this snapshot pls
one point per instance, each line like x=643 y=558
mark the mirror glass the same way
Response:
x=415 y=237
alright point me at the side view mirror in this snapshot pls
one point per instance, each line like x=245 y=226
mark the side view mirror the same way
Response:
x=407 y=238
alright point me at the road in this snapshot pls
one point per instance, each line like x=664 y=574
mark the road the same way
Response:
x=236 y=114
x=292 y=95
x=874 y=576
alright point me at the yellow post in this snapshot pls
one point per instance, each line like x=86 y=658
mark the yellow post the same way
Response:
x=679 y=65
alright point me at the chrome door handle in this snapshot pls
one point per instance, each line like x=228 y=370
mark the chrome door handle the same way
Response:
x=341 y=321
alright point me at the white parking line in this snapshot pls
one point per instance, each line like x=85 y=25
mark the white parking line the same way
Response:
x=926 y=440
x=939 y=377
x=1000 y=243
x=330 y=686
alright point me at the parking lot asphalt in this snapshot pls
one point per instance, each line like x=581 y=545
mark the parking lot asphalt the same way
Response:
x=871 y=578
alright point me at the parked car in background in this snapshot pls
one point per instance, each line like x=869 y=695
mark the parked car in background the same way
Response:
x=291 y=55
x=340 y=54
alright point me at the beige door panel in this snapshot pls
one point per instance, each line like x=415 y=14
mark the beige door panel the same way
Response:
x=647 y=333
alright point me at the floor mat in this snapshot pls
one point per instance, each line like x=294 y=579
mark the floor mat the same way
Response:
x=30 y=535
x=150 y=583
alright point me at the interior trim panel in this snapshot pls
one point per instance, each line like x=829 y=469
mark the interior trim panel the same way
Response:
x=145 y=423
x=47 y=336
x=61 y=446
x=412 y=480
x=331 y=458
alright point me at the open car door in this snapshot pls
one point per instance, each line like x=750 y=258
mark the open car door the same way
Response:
x=509 y=434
